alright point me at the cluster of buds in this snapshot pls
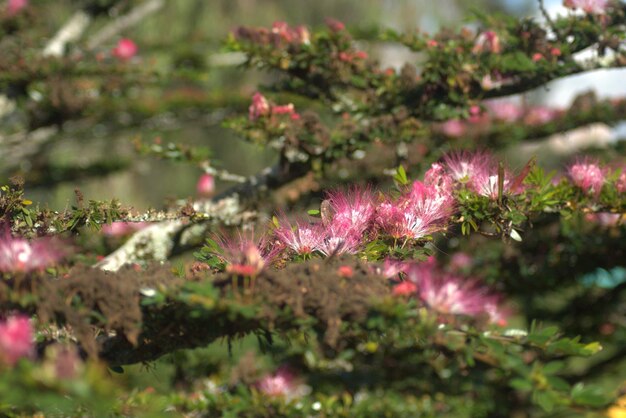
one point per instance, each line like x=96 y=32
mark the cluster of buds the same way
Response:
x=261 y=107
x=447 y=293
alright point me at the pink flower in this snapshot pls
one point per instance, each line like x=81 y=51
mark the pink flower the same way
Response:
x=16 y=339
x=537 y=57
x=588 y=6
x=259 y=107
x=460 y=261
x=125 y=49
x=287 y=109
x=281 y=383
x=505 y=111
x=540 y=115
x=244 y=255
x=345 y=271
x=450 y=294
x=335 y=25
x=404 y=288
x=15 y=6
x=604 y=219
x=487 y=42
x=620 y=184
x=351 y=210
x=206 y=185
x=588 y=175
x=304 y=239
x=20 y=255
x=454 y=128
x=465 y=167
x=119 y=228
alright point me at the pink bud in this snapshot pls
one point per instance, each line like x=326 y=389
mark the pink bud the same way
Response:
x=405 y=288
x=283 y=109
x=345 y=272
x=206 y=185
x=16 y=339
x=537 y=57
x=125 y=49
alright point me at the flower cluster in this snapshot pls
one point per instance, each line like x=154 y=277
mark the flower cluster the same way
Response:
x=280 y=34
x=588 y=6
x=246 y=256
x=588 y=175
x=280 y=383
x=261 y=107
x=498 y=111
x=21 y=255
x=447 y=292
x=16 y=339
x=479 y=172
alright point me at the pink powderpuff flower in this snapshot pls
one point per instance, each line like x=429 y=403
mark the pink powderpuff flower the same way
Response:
x=259 y=107
x=15 y=6
x=588 y=175
x=450 y=294
x=206 y=185
x=244 y=255
x=280 y=383
x=21 y=255
x=125 y=49
x=400 y=221
x=466 y=167
x=588 y=6
x=505 y=111
x=337 y=242
x=487 y=41
x=16 y=339
x=304 y=239
x=351 y=210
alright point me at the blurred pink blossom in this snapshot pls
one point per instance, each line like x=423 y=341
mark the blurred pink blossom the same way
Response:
x=454 y=128
x=121 y=228
x=21 y=255
x=206 y=185
x=451 y=294
x=335 y=25
x=15 y=6
x=125 y=49
x=280 y=383
x=588 y=175
x=505 y=111
x=540 y=115
x=588 y=6
x=259 y=107
x=487 y=41
x=16 y=339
